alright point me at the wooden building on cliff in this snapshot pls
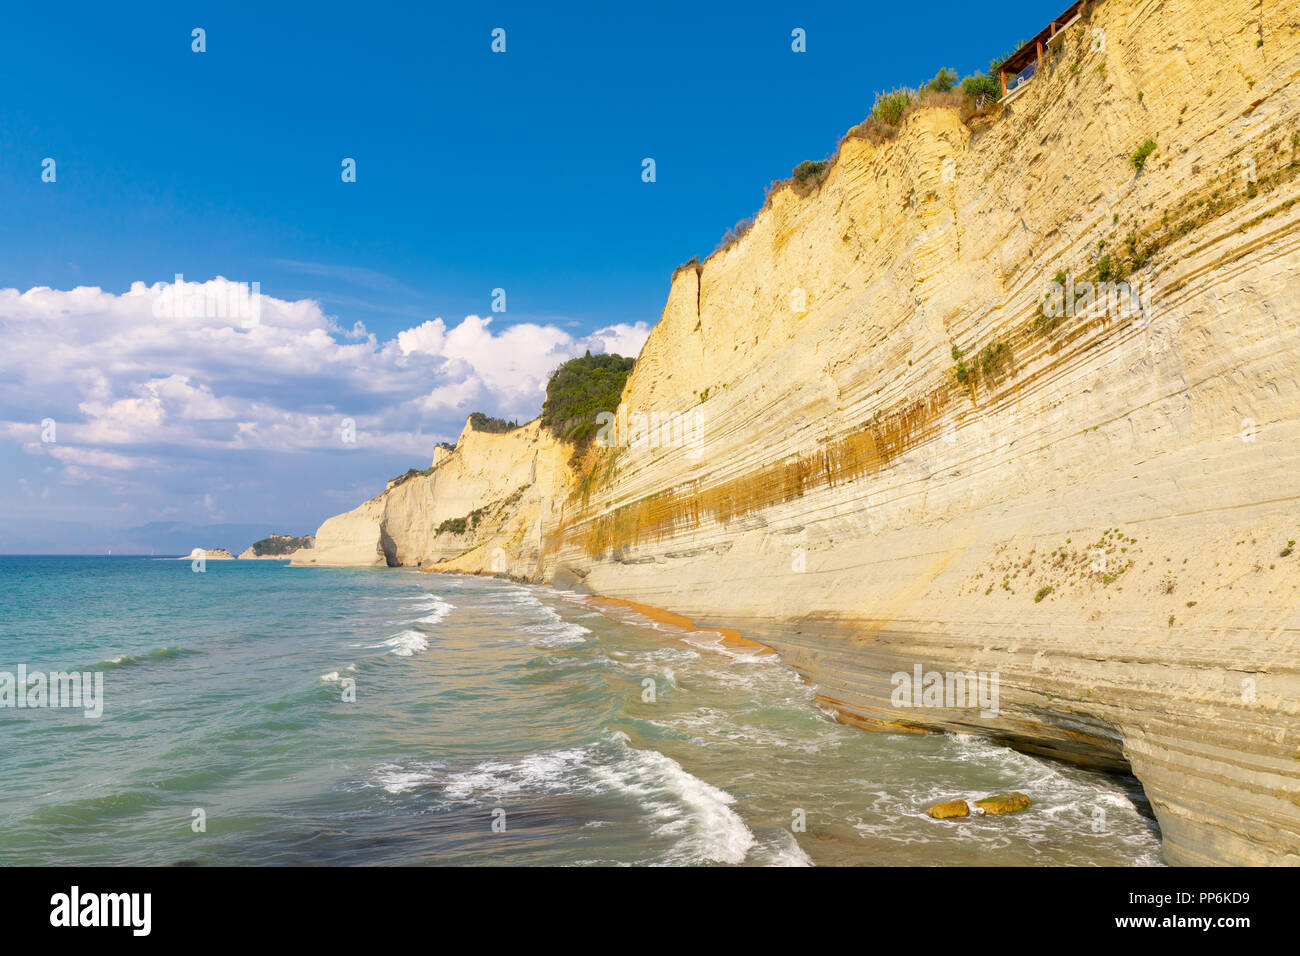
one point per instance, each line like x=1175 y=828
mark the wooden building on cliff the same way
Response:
x=1020 y=67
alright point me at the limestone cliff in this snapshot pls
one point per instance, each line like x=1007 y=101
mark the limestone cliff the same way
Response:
x=475 y=508
x=922 y=465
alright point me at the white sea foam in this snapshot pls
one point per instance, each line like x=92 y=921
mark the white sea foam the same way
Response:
x=520 y=597
x=697 y=814
x=439 y=608
x=1065 y=799
x=783 y=851
x=555 y=631
x=562 y=635
x=714 y=641
x=405 y=643
x=397 y=779
x=696 y=817
x=543 y=772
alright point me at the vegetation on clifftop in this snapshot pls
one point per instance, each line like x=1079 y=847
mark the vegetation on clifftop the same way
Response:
x=973 y=96
x=578 y=391
x=493 y=426
x=281 y=544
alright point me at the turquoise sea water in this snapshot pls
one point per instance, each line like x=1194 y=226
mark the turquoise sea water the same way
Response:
x=477 y=702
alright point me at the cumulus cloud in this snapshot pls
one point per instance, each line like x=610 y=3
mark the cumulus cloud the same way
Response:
x=136 y=379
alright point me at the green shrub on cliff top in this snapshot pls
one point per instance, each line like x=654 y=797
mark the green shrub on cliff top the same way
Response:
x=495 y=426
x=890 y=107
x=280 y=544
x=810 y=172
x=981 y=90
x=581 y=389
x=943 y=81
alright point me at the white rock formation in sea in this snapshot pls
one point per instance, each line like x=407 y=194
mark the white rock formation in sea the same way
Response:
x=210 y=554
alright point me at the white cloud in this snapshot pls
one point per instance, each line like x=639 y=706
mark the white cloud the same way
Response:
x=427 y=338
x=129 y=388
x=625 y=340
x=94 y=458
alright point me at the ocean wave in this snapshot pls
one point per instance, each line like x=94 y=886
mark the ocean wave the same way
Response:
x=396 y=779
x=565 y=635
x=555 y=631
x=440 y=609
x=697 y=817
x=516 y=596
x=543 y=772
x=715 y=641
x=404 y=644
x=783 y=851
x=711 y=725
x=697 y=814
x=157 y=654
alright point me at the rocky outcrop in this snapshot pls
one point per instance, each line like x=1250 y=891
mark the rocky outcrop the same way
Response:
x=895 y=459
x=468 y=511
x=209 y=554
x=276 y=547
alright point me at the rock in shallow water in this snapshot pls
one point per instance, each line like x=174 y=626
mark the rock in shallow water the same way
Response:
x=953 y=808
x=1004 y=803
x=999 y=803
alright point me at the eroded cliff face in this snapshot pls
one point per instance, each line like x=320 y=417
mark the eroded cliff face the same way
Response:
x=476 y=508
x=896 y=459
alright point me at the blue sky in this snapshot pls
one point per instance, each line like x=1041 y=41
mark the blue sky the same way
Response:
x=475 y=171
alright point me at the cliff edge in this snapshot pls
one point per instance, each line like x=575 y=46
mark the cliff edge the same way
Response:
x=476 y=508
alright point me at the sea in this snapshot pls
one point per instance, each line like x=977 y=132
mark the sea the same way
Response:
x=253 y=713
